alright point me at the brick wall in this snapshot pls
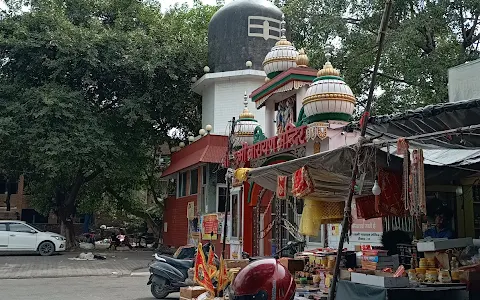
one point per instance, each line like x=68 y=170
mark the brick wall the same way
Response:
x=175 y=215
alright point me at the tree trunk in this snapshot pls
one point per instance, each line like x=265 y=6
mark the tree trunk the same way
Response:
x=65 y=215
x=68 y=231
x=156 y=231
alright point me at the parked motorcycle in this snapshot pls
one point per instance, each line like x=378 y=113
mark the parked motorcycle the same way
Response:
x=168 y=274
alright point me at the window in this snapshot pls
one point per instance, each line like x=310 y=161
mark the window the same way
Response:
x=204 y=175
x=182 y=184
x=221 y=198
x=193 y=182
x=16 y=227
x=235 y=215
x=3 y=227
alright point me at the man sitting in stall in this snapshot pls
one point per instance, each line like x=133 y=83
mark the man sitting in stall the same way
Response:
x=443 y=215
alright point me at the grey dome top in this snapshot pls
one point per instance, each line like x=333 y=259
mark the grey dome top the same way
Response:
x=240 y=31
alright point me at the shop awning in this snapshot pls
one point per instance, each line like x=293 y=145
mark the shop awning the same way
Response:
x=208 y=149
x=331 y=170
x=428 y=119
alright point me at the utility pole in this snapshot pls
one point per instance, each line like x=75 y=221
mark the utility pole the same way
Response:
x=228 y=178
x=363 y=124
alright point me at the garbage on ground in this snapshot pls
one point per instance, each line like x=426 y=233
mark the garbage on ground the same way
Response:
x=89 y=256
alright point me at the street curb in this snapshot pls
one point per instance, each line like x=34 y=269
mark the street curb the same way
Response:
x=111 y=274
x=65 y=276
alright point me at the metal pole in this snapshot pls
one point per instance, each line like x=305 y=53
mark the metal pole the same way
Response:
x=229 y=185
x=348 y=208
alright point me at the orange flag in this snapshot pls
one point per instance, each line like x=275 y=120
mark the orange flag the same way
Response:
x=211 y=262
x=201 y=275
x=222 y=275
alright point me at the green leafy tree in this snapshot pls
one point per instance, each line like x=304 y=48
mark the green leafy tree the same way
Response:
x=88 y=88
x=424 y=39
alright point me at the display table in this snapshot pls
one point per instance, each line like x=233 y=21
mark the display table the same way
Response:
x=347 y=290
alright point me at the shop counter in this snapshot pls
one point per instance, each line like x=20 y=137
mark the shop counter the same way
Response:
x=347 y=290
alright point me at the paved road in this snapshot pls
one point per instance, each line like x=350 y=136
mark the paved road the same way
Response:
x=35 y=266
x=77 y=288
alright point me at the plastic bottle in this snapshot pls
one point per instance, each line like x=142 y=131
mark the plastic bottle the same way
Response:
x=454 y=265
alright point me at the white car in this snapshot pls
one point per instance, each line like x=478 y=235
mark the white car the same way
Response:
x=19 y=236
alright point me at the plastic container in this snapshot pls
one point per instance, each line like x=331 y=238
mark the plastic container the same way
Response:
x=431 y=276
x=423 y=263
x=444 y=276
x=412 y=275
x=420 y=274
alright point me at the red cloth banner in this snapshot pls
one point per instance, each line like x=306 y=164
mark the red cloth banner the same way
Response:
x=282 y=187
x=302 y=183
x=388 y=203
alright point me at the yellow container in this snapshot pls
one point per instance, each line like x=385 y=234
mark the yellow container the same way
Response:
x=431 y=262
x=331 y=264
x=431 y=276
x=324 y=261
x=455 y=276
x=420 y=274
x=423 y=263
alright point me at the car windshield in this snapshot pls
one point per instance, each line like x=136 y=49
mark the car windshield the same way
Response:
x=36 y=227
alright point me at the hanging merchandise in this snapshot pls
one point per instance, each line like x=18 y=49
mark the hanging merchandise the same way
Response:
x=403 y=150
x=387 y=203
x=302 y=183
x=417 y=198
x=316 y=212
x=282 y=187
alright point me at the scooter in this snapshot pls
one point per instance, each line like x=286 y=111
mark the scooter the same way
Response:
x=168 y=274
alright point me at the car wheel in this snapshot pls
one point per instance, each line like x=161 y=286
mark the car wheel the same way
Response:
x=46 y=248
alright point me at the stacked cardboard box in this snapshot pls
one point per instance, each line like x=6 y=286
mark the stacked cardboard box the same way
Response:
x=379 y=260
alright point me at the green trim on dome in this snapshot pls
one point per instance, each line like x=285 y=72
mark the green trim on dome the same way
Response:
x=328 y=77
x=336 y=116
x=281 y=82
x=273 y=74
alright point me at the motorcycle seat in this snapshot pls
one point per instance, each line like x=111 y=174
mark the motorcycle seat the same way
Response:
x=182 y=263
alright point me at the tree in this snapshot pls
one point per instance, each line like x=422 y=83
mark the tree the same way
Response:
x=425 y=38
x=88 y=88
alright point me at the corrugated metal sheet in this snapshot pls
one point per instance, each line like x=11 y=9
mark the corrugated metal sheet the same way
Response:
x=446 y=157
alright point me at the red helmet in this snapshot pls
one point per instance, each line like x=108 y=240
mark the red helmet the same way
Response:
x=264 y=279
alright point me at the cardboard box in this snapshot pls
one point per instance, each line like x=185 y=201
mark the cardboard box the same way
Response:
x=191 y=292
x=236 y=263
x=345 y=274
x=292 y=265
x=444 y=244
x=380 y=279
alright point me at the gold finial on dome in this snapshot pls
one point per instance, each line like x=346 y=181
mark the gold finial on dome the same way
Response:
x=302 y=59
x=328 y=69
x=246 y=114
x=283 y=38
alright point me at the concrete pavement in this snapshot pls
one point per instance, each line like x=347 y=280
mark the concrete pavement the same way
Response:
x=35 y=266
x=81 y=288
